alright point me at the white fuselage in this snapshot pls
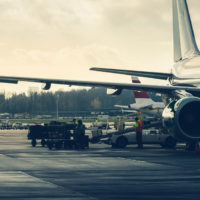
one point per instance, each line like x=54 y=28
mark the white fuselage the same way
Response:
x=187 y=72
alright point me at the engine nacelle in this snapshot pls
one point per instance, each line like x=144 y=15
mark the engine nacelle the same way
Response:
x=182 y=118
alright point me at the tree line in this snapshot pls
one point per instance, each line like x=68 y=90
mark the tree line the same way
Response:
x=75 y=100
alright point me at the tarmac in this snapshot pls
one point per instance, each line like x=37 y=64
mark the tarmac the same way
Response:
x=97 y=173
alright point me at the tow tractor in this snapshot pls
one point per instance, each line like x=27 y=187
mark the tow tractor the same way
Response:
x=149 y=136
x=152 y=134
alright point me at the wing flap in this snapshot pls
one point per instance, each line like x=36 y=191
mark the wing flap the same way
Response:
x=156 y=75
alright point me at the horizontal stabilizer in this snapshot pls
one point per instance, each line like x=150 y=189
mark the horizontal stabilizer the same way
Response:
x=156 y=75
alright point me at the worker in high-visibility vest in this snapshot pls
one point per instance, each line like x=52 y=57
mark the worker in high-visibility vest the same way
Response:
x=79 y=134
x=75 y=123
x=139 y=127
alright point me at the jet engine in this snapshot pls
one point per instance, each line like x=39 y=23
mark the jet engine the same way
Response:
x=182 y=118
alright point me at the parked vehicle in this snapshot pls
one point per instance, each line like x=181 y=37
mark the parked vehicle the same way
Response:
x=100 y=125
x=17 y=125
x=150 y=136
x=5 y=125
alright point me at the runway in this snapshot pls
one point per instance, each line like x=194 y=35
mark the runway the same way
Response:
x=97 y=173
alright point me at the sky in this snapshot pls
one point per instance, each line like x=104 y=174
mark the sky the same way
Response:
x=64 y=38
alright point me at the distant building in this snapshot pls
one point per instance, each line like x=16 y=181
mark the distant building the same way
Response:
x=5 y=115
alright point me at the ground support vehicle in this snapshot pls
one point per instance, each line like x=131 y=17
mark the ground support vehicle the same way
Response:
x=37 y=132
x=43 y=133
x=81 y=142
x=149 y=136
x=67 y=141
x=57 y=135
x=96 y=134
x=6 y=125
x=19 y=125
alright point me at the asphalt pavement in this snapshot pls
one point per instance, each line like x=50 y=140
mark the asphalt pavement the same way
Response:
x=97 y=173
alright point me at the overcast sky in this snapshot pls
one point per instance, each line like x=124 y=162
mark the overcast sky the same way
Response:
x=64 y=38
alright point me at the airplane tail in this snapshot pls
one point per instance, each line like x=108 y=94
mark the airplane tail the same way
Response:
x=139 y=96
x=183 y=35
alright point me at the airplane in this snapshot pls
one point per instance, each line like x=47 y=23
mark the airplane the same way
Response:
x=142 y=101
x=181 y=115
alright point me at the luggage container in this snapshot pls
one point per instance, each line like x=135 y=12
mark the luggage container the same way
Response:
x=57 y=135
x=49 y=131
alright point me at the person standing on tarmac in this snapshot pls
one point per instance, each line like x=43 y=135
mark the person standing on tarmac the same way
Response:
x=81 y=127
x=138 y=127
x=79 y=134
x=75 y=123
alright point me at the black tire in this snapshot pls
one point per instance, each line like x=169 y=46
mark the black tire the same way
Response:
x=33 y=142
x=121 y=142
x=58 y=145
x=191 y=146
x=50 y=145
x=114 y=146
x=68 y=145
x=95 y=140
x=170 y=142
x=162 y=145
x=43 y=142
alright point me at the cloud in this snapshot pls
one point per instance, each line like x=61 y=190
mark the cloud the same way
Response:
x=63 y=39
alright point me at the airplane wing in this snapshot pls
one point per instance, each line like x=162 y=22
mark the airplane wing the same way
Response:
x=164 y=89
x=156 y=75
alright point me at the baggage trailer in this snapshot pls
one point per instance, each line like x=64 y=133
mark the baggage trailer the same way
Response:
x=57 y=135
x=37 y=132
x=59 y=141
x=44 y=132
x=60 y=136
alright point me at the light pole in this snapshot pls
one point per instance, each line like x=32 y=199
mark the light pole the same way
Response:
x=57 y=97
